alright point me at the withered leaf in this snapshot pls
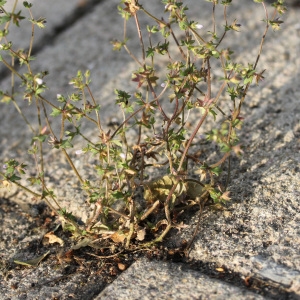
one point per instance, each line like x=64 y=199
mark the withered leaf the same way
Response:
x=159 y=189
x=118 y=237
x=32 y=262
x=121 y=267
x=140 y=235
x=52 y=238
x=83 y=243
x=194 y=189
x=160 y=223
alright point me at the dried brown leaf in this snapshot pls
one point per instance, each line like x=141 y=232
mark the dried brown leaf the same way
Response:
x=52 y=238
x=121 y=267
x=118 y=237
x=140 y=235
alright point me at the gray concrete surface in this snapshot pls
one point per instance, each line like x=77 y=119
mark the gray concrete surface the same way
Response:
x=58 y=15
x=165 y=280
x=257 y=235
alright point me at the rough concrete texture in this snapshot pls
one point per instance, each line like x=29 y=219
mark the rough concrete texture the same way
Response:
x=256 y=236
x=153 y=279
x=57 y=15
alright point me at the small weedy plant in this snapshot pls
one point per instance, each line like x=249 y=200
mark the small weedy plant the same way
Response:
x=182 y=73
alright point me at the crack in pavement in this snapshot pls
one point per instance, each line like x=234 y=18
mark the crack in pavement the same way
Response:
x=82 y=9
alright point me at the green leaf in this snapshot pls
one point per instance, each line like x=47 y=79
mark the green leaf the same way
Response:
x=34 y=181
x=94 y=197
x=4 y=19
x=152 y=29
x=27 y=5
x=40 y=22
x=118 y=195
x=66 y=214
x=14 y=178
x=126 y=15
x=3 y=32
x=75 y=97
x=122 y=96
x=7 y=46
x=213 y=113
x=116 y=142
x=40 y=138
x=216 y=171
x=66 y=144
x=55 y=112
x=225 y=148
x=61 y=98
x=72 y=134
x=248 y=80
x=48 y=193
x=226 y=2
x=16 y=18
x=5 y=98
x=34 y=149
x=275 y=24
x=150 y=52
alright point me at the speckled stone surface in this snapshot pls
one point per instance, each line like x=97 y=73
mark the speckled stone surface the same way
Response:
x=164 y=280
x=256 y=235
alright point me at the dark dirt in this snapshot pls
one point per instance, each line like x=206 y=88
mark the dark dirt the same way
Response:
x=84 y=273
x=22 y=234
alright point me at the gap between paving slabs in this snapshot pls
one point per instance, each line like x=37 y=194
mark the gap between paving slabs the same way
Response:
x=83 y=8
x=61 y=23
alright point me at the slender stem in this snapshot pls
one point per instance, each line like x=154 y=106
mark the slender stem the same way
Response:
x=32 y=35
x=40 y=130
x=191 y=139
x=125 y=121
x=157 y=102
x=7 y=65
x=225 y=156
x=137 y=111
x=33 y=193
x=177 y=43
x=226 y=23
x=73 y=167
x=214 y=17
x=13 y=11
x=21 y=113
x=198 y=125
x=153 y=17
x=141 y=39
x=97 y=113
x=132 y=55
x=237 y=111
x=167 y=202
x=201 y=200
x=63 y=150
x=150 y=210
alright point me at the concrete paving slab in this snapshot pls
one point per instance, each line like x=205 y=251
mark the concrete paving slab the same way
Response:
x=257 y=235
x=59 y=15
x=164 y=280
